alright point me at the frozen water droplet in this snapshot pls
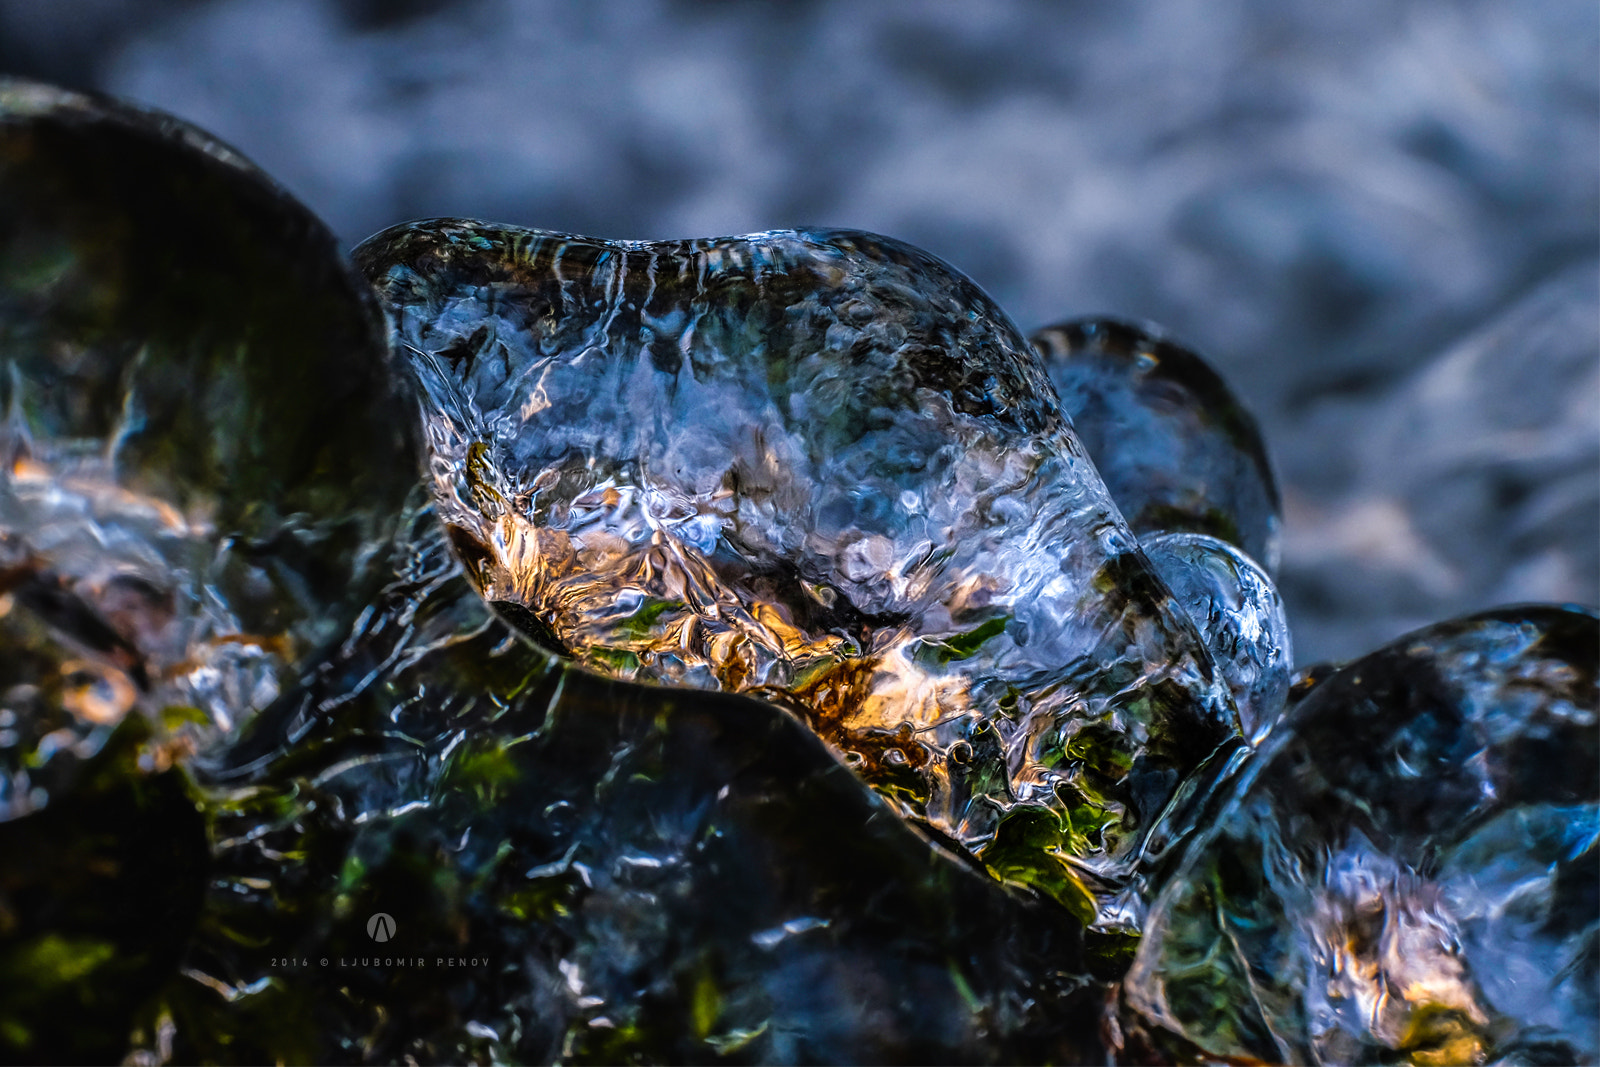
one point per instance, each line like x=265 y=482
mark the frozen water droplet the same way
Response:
x=1240 y=616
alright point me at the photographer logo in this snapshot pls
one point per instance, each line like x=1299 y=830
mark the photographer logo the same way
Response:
x=380 y=927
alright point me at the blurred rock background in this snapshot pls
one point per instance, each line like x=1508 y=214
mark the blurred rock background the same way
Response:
x=1380 y=219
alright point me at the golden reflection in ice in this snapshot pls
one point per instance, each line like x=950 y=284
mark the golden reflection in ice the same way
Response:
x=116 y=580
x=1393 y=967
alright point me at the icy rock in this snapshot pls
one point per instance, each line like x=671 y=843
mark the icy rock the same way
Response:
x=1240 y=616
x=610 y=872
x=1408 y=872
x=632 y=874
x=1176 y=449
x=820 y=467
x=203 y=456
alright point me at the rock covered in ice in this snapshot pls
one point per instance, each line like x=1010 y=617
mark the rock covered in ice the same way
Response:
x=1186 y=465
x=1177 y=450
x=821 y=467
x=626 y=873
x=1408 y=872
x=201 y=452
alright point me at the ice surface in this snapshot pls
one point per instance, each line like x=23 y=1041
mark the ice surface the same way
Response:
x=1409 y=870
x=824 y=468
x=1240 y=616
x=200 y=464
x=201 y=474
x=1176 y=449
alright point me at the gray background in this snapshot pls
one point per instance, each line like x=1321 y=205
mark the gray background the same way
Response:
x=1379 y=218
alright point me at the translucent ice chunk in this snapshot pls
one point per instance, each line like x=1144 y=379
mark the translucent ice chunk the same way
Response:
x=821 y=467
x=1240 y=616
x=1410 y=873
x=1176 y=449
x=202 y=451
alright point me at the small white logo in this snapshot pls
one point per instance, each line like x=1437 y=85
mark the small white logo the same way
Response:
x=380 y=927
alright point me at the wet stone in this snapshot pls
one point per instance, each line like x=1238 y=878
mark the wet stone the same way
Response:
x=1408 y=873
x=1176 y=449
x=823 y=468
